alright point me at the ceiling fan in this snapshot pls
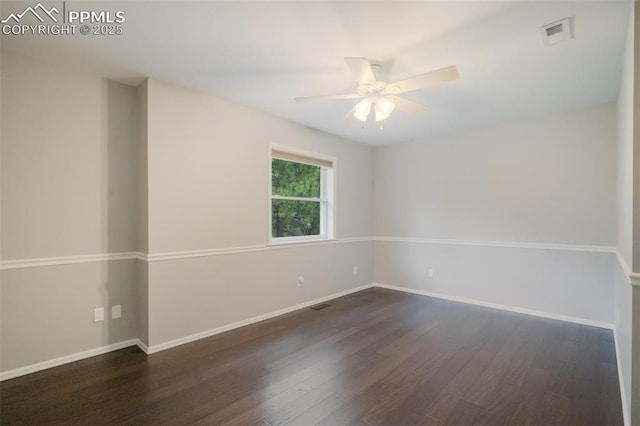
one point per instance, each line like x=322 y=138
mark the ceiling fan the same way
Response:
x=383 y=95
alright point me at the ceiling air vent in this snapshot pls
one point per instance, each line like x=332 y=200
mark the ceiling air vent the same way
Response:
x=557 y=32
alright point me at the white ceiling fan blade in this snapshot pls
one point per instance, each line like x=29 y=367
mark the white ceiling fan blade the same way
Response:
x=425 y=80
x=329 y=97
x=406 y=105
x=361 y=69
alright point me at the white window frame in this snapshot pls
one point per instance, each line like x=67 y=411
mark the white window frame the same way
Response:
x=326 y=200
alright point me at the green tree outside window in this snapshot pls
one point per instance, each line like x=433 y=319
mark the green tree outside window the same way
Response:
x=296 y=199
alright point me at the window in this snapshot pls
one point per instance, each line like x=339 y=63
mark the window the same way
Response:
x=301 y=196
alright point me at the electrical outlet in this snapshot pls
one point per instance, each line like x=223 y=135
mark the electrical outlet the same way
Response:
x=98 y=314
x=116 y=311
x=430 y=273
x=355 y=270
x=300 y=281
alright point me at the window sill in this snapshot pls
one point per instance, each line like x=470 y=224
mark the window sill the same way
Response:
x=302 y=241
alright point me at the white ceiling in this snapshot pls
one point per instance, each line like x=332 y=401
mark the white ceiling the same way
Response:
x=263 y=54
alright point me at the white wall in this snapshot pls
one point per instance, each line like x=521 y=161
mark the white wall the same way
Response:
x=549 y=181
x=208 y=189
x=68 y=160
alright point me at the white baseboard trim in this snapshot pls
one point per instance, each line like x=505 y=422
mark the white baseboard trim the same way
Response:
x=498 y=306
x=204 y=334
x=143 y=347
x=17 y=372
x=623 y=393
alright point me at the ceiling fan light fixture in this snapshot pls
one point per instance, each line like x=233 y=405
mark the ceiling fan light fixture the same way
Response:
x=383 y=108
x=362 y=110
x=383 y=95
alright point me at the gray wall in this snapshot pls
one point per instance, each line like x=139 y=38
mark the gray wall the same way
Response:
x=92 y=167
x=208 y=172
x=564 y=283
x=549 y=181
x=635 y=113
x=118 y=169
x=142 y=206
x=194 y=295
x=47 y=312
x=142 y=203
x=624 y=206
x=68 y=160
x=208 y=189
x=635 y=318
x=624 y=217
x=624 y=331
x=67 y=147
x=142 y=295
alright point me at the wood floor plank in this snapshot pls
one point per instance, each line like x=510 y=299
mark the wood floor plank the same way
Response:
x=377 y=357
x=517 y=368
x=463 y=414
x=532 y=389
x=500 y=406
x=400 y=384
x=427 y=382
x=491 y=378
x=555 y=410
x=560 y=375
x=257 y=411
x=377 y=371
x=448 y=399
x=314 y=414
x=303 y=404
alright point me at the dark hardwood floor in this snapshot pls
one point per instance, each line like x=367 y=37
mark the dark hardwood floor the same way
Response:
x=377 y=357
